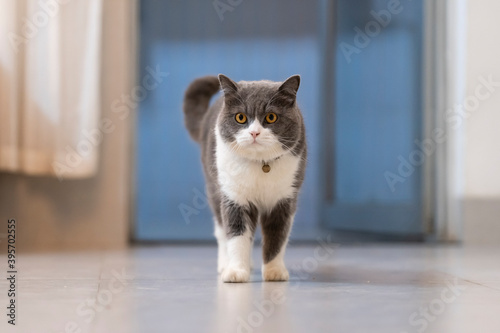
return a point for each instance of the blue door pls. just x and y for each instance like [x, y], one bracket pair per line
[254, 40]
[375, 112]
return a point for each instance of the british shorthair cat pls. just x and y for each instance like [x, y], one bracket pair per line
[253, 149]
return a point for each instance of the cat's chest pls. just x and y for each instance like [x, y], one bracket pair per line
[244, 181]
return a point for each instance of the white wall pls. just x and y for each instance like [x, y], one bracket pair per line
[482, 128]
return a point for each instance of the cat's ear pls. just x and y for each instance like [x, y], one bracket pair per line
[230, 89]
[287, 92]
[291, 85]
[227, 84]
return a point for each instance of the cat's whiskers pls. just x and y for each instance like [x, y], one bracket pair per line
[291, 151]
[235, 147]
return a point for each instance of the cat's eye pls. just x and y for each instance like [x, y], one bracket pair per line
[271, 117]
[241, 118]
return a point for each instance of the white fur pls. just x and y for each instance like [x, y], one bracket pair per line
[240, 168]
[239, 250]
[242, 180]
[222, 258]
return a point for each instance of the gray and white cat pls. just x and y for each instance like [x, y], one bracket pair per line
[253, 150]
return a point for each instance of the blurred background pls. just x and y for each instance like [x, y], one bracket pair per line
[400, 100]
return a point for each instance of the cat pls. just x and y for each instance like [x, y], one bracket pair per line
[253, 150]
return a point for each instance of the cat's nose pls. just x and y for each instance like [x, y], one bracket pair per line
[254, 134]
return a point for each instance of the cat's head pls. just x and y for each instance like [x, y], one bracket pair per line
[260, 119]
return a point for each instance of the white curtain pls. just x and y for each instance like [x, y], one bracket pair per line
[50, 55]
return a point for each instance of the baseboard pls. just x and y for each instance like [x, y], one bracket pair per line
[481, 221]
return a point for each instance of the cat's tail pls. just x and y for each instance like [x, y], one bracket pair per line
[196, 101]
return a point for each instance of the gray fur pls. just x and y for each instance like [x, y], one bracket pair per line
[196, 101]
[255, 99]
[239, 218]
[276, 225]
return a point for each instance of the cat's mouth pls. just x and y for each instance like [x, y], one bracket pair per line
[259, 143]
[257, 150]
[255, 145]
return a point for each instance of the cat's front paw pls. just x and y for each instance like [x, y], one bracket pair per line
[235, 274]
[275, 273]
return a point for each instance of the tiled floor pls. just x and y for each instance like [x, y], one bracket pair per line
[417, 288]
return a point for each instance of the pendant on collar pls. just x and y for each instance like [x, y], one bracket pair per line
[266, 167]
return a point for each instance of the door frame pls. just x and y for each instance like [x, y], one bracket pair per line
[389, 230]
[444, 86]
[444, 83]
